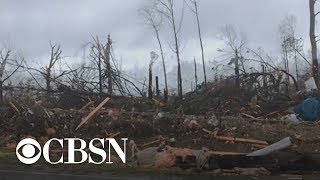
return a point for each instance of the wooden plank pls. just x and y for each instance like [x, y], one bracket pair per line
[235, 139]
[241, 140]
[85, 106]
[254, 118]
[92, 113]
[222, 153]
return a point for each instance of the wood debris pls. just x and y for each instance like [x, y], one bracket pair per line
[235, 139]
[14, 107]
[86, 106]
[92, 113]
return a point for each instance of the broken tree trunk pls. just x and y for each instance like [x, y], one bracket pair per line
[284, 143]
[157, 87]
[195, 73]
[313, 41]
[237, 71]
[92, 113]
[153, 58]
[108, 65]
[1, 92]
[100, 75]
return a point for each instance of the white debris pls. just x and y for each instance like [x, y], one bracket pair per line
[310, 84]
[172, 140]
[292, 118]
[202, 157]
[213, 121]
[159, 115]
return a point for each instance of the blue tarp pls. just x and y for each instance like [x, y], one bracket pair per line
[309, 110]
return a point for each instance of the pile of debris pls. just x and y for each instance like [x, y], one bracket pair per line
[227, 144]
[226, 99]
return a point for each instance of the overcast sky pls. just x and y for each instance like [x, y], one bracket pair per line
[29, 25]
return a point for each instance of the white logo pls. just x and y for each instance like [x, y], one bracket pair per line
[96, 147]
[28, 151]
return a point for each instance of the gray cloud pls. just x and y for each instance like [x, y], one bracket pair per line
[29, 25]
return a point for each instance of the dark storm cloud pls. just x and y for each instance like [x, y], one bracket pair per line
[29, 25]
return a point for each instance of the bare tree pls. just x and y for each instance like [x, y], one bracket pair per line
[194, 9]
[101, 55]
[269, 62]
[5, 73]
[313, 41]
[155, 21]
[291, 46]
[48, 72]
[167, 9]
[83, 78]
[234, 50]
[195, 73]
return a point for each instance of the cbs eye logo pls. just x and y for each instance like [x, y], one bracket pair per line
[29, 152]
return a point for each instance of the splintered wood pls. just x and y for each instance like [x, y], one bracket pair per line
[235, 139]
[92, 113]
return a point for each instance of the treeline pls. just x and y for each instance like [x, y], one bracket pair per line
[102, 74]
